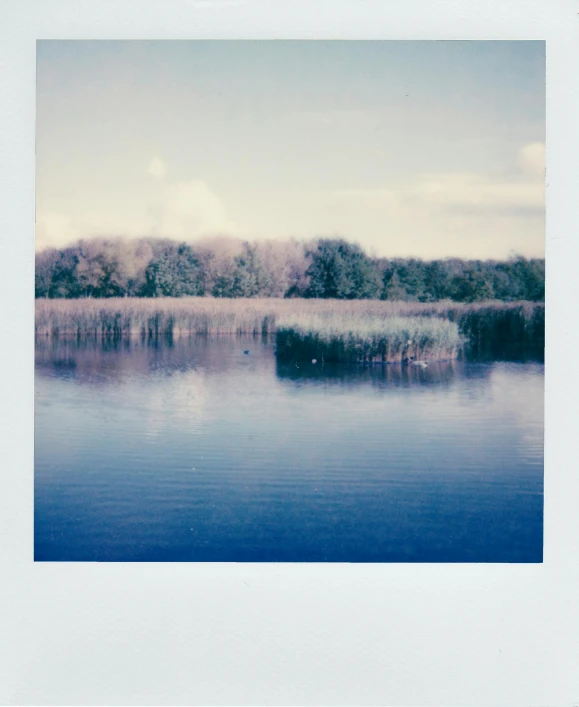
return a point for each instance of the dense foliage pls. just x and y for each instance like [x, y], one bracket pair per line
[367, 339]
[326, 268]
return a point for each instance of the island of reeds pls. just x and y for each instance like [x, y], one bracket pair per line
[367, 340]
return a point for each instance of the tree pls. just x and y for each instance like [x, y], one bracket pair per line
[394, 290]
[45, 270]
[64, 281]
[284, 265]
[91, 267]
[250, 278]
[530, 278]
[411, 272]
[342, 270]
[475, 287]
[217, 265]
[504, 288]
[437, 283]
[228, 267]
[175, 274]
[130, 260]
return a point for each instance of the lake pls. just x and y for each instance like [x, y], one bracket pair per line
[192, 450]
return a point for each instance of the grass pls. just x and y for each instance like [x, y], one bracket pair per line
[153, 317]
[485, 325]
[367, 339]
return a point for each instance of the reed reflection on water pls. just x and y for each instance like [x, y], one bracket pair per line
[190, 449]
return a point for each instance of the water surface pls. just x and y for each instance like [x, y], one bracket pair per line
[192, 450]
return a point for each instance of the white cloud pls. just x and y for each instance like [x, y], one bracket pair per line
[102, 223]
[531, 159]
[477, 191]
[466, 214]
[190, 209]
[440, 214]
[157, 168]
[54, 230]
[469, 190]
[184, 210]
[456, 190]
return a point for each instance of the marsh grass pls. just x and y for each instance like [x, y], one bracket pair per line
[367, 339]
[486, 326]
[153, 317]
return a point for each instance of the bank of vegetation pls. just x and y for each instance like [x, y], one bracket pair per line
[327, 268]
[487, 328]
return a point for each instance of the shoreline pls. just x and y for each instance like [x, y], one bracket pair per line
[487, 328]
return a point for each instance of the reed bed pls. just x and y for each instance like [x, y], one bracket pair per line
[368, 339]
[485, 325]
[154, 317]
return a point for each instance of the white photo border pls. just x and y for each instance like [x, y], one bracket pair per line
[176, 633]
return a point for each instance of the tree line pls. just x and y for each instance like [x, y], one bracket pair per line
[323, 268]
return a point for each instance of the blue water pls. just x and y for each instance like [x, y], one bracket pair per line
[194, 451]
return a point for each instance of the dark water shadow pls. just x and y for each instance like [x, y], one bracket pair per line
[507, 351]
[392, 375]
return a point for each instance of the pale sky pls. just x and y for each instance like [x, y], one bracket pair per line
[428, 149]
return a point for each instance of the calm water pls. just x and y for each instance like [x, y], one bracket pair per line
[195, 451]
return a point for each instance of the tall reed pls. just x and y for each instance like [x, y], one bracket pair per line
[486, 324]
[367, 339]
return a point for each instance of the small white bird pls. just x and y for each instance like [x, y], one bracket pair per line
[314, 360]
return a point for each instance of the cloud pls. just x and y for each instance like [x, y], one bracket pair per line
[54, 230]
[456, 191]
[190, 209]
[476, 191]
[531, 159]
[469, 190]
[157, 168]
[465, 214]
[184, 211]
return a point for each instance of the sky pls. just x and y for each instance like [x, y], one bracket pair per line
[427, 149]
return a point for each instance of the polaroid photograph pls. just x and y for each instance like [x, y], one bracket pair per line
[288, 376]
